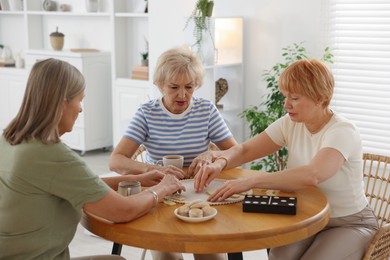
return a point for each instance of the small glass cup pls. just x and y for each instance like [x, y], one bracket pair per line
[127, 188]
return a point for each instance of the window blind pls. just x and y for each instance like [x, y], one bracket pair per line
[359, 35]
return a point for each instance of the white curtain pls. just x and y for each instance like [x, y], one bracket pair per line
[359, 34]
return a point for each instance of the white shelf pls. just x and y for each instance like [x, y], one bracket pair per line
[68, 53]
[227, 65]
[84, 14]
[13, 71]
[132, 15]
[11, 12]
[133, 82]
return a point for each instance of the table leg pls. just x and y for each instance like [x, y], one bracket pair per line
[116, 249]
[235, 256]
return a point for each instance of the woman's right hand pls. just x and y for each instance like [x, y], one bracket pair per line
[171, 185]
[150, 178]
[172, 170]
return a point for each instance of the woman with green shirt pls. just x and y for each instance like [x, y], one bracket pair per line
[44, 185]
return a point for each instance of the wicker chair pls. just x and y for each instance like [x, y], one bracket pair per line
[139, 154]
[377, 189]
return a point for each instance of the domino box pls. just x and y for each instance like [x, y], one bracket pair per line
[270, 204]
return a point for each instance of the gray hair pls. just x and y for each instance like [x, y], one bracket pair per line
[175, 62]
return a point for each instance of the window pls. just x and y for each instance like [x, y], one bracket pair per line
[359, 34]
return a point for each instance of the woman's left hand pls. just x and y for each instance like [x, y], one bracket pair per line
[200, 161]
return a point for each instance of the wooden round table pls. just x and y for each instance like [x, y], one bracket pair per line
[232, 230]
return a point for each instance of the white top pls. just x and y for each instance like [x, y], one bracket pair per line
[345, 190]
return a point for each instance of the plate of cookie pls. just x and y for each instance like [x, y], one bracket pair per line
[191, 195]
[195, 211]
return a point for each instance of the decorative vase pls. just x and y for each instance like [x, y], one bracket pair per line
[221, 88]
[4, 5]
[15, 5]
[19, 61]
[92, 5]
[206, 46]
[57, 40]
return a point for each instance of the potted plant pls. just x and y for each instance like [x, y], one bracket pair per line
[145, 58]
[260, 117]
[145, 54]
[200, 17]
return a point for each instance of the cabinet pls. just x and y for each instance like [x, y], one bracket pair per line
[12, 87]
[93, 127]
[126, 101]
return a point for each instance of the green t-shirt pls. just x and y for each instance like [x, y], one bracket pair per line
[42, 191]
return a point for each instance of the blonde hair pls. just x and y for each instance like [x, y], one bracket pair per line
[179, 61]
[311, 78]
[51, 82]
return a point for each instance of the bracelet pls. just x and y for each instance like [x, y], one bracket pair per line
[222, 158]
[155, 196]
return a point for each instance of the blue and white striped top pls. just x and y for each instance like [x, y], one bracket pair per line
[187, 134]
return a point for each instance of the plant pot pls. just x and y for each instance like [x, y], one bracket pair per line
[145, 63]
[210, 7]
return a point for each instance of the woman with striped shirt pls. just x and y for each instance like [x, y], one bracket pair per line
[175, 123]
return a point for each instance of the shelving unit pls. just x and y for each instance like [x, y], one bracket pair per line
[12, 86]
[224, 60]
[131, 31]
[120, 28]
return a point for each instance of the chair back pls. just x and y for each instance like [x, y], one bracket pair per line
[139, 154]
[376, 171]
[213, 147]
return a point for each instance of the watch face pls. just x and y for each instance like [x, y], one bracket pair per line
[46, 5]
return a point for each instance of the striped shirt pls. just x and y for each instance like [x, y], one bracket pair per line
[187, 134]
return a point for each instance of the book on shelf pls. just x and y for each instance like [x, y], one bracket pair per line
[140, 72]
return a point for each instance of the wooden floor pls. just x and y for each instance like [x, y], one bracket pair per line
[85, 243]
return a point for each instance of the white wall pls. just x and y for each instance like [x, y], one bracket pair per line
[269, 26]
